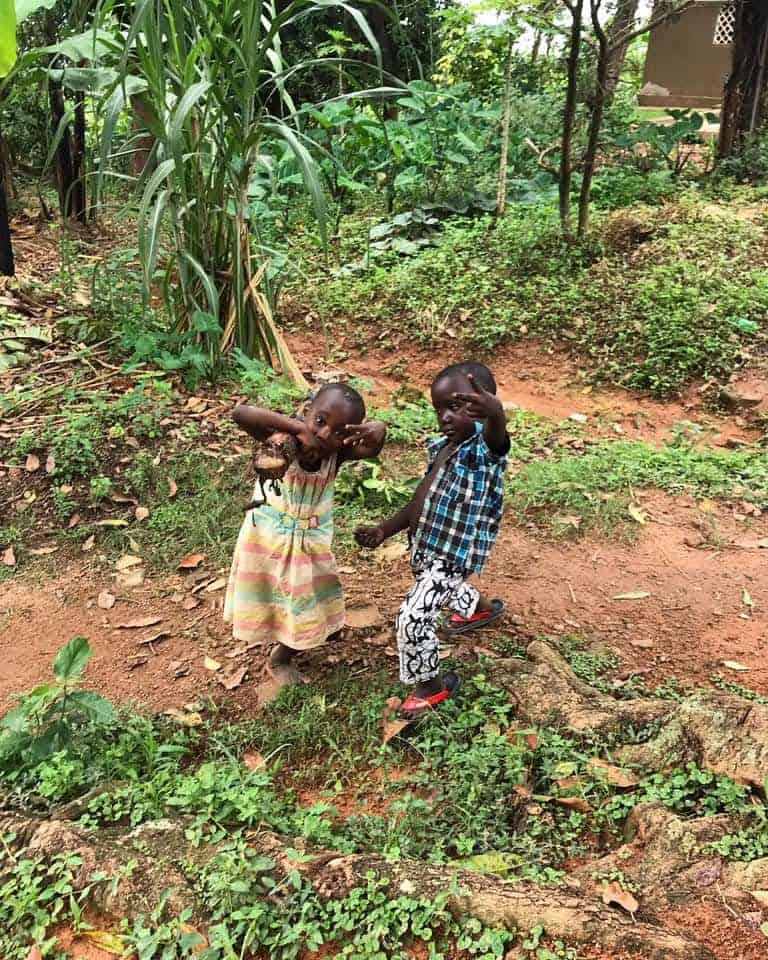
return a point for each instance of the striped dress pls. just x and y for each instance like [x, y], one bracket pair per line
[284, 586]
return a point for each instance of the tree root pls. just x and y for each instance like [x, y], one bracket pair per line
[719, 731]
[158, 849]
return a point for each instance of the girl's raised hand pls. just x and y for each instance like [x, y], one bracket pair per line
[368, 435]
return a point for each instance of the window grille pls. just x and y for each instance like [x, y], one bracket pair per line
[725, 26]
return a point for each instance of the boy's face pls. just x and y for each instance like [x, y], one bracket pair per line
[327, 419]
[452, 416]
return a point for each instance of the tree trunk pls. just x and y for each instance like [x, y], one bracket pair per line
[7, 266]
[745, 97]
[79, 200]
[600, 95]
[621, 26]
[536, 47]
[501, 199]
[569, 115]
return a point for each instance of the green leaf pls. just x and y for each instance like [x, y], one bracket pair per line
[8, 51]
[71, 659]
[25, 8]
[85, 79]
[90, 45]
[96, 707]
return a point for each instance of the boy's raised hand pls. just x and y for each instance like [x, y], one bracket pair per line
[370, 537]
[481, 405]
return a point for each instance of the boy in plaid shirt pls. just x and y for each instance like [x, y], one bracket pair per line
[452, 520]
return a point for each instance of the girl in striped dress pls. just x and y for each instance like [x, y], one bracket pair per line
[284, 588]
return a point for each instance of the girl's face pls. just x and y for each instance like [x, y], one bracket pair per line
[327, 419]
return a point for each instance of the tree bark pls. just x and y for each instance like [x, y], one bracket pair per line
[569, 113]
[159, 850]
[501, 198]
[600, 96]
[621, 26]
[7, 265]
[745, 96]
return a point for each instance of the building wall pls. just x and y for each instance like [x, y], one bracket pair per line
[683, 61]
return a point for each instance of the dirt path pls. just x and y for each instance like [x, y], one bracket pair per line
[692, 614]
[689, 617]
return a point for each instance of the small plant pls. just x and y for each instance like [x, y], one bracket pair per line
[364, 483]
[45, 718]
[99, 488]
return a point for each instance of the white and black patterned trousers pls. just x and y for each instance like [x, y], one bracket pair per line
[438, 586]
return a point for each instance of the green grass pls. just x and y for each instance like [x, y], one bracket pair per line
[680, 295]
[596, 488]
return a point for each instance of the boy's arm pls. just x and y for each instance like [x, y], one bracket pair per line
[364, 441]
[483, 405]
[375, 536]
[260, 423]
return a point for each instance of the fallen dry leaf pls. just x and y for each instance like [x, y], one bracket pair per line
[9, 557]
[123, 498]
[172, 488]
[35, 954]
[130, 578]
[746, 598]
[216, 585]
[637, 514]
[361, 618]
[112, 522]
[616, 776]
[210, 664]
[104, 940]
[32, 463]
[233, 680]
[192, 562]
[43, 551]
[138, 624]
[636, 595]
[391, 551]
[185, 719]
[267, 692]
[73, 520]
[531, 740]
[644, 643]
[88, 544]
[189, 603]
[615, 893]
[254, 761]
[127, 561]
[153, 638]
[106, 600]
[574, 803]
[141, 513]
[392, 724]
[734, 665]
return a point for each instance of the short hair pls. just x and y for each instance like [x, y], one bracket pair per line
[482, 375]
[348, 394]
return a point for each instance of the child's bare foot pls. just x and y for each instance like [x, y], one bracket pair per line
[281, 668]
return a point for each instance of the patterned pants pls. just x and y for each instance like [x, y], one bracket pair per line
[438, 586]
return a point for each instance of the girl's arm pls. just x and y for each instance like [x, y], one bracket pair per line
[260, 423]
[364, 440]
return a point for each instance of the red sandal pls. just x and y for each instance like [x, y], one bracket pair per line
[418, 705]
[459, 624]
